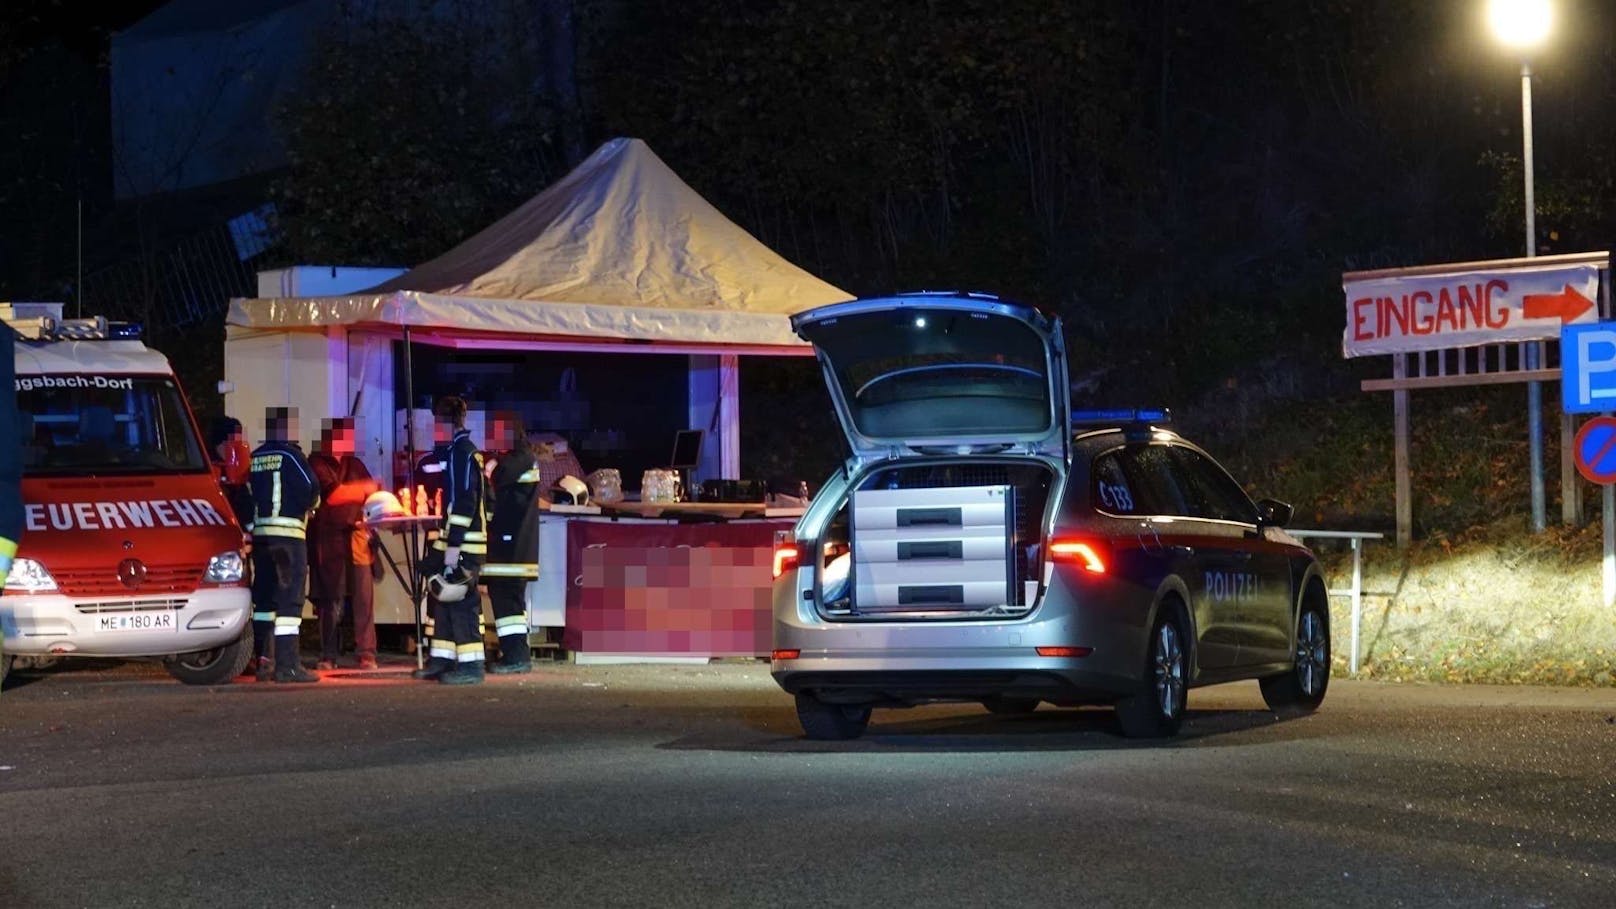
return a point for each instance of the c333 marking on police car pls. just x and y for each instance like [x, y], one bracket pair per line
[153, 513]
[1116, 497]
[1230, 585]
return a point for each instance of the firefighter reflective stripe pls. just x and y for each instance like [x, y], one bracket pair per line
[288, 624]
[468, 546]
[264, 616]
[530, 476]
[442, 649]
[529, 570]
[510, 624]
[274, 495]
[460, 520]
[278, 527]
[469, 653]
[430, 467]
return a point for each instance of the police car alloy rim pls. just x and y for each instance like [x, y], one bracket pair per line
[1168, 663]
[1312, 653]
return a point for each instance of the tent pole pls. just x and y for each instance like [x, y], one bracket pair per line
[409, 468]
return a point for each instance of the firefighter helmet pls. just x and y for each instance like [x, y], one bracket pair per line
[451, 586]
[383, 504]
[569, 490]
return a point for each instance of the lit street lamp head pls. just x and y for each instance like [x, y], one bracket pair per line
[1520, 24]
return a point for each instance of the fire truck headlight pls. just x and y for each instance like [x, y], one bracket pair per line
[224, 568]
[29, 576]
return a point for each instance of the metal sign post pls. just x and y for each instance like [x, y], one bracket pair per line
[1589, 386]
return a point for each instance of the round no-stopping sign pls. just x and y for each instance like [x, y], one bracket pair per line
[1596, 450]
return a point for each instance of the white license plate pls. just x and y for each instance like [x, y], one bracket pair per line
[155, 620]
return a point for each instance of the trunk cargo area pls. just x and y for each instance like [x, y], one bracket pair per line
[943, 540]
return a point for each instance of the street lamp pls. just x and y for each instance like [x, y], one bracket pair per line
[1523, 25]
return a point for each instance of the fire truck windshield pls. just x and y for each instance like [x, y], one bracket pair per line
[82, 423]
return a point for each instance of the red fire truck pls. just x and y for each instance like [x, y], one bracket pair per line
[129, 548]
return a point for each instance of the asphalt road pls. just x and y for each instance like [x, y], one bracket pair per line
[687, 786]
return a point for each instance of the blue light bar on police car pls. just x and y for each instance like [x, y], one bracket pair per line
[1123, 415]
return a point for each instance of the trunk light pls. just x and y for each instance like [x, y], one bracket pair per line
[787, 654]
[1064, 651]
[1089, 554]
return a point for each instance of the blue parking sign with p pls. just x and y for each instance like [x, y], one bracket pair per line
[1588, 368]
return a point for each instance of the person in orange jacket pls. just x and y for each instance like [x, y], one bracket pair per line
[339, 546]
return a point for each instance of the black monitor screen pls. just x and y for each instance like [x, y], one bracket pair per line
[686, 448]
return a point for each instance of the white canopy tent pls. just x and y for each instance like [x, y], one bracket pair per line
[618, 256]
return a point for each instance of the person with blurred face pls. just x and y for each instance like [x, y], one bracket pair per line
[457, 556]
[513, 546]
[284, 496]
[232, 457]
[339, 546]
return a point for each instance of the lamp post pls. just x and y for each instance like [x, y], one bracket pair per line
[1523, 25]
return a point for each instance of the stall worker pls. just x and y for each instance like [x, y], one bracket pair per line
[11, 513]
[429, 471]
[513, 544]
[284, 495]
[460, 549]
[339, 546]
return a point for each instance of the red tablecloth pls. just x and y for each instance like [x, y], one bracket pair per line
[680, 589]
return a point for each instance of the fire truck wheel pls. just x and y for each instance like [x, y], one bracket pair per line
[212, 667]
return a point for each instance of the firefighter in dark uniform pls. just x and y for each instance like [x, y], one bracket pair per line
[284, 495]
[458, 554]
[11, 515]
[513, 547]
[428, 492]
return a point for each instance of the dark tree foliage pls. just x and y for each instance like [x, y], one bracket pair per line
[1184, 180]
[414, 132]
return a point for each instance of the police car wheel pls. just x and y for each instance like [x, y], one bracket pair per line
[831, 722]
[1302, 688]
[1010, 706]
[212, 667]
[1156, 710]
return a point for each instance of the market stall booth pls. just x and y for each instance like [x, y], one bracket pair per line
[610, 311]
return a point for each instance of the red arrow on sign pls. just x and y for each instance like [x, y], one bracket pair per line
[1567, 305]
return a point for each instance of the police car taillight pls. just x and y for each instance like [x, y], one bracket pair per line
[786, 553]
[1088, 553]
[1064, 651]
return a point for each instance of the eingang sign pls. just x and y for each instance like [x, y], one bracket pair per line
[1391, 313]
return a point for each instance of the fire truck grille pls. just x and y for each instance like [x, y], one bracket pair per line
[130, 606]
[104, 582]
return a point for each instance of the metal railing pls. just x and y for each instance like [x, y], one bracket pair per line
[1355, 592]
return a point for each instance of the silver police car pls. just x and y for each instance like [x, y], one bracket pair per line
[984, 543]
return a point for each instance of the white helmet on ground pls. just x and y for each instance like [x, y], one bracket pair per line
[383, 504]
